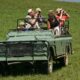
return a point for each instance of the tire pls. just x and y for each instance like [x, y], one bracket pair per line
[50, 65]
[64, 60]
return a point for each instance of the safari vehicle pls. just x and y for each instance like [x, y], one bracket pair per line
[37, 46]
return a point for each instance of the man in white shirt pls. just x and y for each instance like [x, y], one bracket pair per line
[31, 20]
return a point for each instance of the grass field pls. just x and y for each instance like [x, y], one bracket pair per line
[10, 10]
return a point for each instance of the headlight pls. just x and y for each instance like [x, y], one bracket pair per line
[40, 47]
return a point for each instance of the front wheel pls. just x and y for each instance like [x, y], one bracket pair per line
[50, 67]
[50, 64]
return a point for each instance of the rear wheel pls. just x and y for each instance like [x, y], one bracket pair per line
[64, 60]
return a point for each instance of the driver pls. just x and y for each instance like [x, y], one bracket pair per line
[21, 26]
[31, 20]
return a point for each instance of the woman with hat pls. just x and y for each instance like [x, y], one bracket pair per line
[53, 23]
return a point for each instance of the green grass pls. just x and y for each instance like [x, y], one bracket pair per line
[10, 10]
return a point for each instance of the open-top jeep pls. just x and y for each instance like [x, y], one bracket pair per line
[36, 46]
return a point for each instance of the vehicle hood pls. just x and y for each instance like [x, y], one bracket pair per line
[46, 35]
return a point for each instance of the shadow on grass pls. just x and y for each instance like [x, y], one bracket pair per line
[25, 69]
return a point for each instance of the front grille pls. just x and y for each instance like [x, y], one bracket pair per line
[40, 47]
[20, 49]
[26, 49]
[2, 49]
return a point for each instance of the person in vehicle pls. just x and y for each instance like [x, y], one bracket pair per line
[21, 26]
[62, 16]
[53, 23]
[58, 13]
[31, 21]
[39, 16]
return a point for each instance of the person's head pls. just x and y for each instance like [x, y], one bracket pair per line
[58, 10]
[31, 12]
[38, 10]
[51, 13]
[21, 25]
[64, 12]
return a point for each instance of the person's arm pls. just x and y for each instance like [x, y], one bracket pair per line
[61, 15]
[48, 25]
[32, 22]
[67, 14]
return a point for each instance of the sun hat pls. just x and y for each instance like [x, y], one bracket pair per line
[30, 10]
[50, 11]
[58, 9]
[38, 9]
